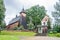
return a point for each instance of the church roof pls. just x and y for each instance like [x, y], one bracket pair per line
[45, 19]
[14, 20]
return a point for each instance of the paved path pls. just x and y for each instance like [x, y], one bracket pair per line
[40, 38]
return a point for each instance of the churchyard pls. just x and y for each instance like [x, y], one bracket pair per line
[14, 35]
[33, 23]
[17, 35]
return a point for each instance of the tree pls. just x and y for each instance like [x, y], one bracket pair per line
[30, 24]
[56, 13]
[2, 12]
[49, 24]
[37, 13]
[56, 28]
[3, 25]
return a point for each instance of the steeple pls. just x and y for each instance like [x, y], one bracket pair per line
[16, 16]
[23, 11]
[23, 18]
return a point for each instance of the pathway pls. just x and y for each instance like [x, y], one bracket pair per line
[40, 38]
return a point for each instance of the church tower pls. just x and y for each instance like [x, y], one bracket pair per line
[23, 18]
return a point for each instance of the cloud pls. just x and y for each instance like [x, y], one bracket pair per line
[29, 3]
[10, 13]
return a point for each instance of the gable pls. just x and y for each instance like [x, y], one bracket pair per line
[45, 19]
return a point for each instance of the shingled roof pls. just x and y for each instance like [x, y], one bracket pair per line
[14, 20]
[17, 18]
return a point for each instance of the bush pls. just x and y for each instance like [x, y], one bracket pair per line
[58, 35]
[0, 29]
[15, 28]
[52, 31]
[31, 26]
[54, 35]
[56, 28]
[21, 28]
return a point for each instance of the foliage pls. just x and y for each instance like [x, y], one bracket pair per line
[52, 31]
[49, 24]
[19, 28]
[31, 26]
[56, 13]
[58, 35]
[15, 28]
[37, 13]
[2, 11]
[2, 14]
[3, 25]
[54, 35]
[56, 28]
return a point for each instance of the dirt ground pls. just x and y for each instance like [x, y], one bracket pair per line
[40, 38]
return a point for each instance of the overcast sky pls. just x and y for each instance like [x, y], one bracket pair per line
[13, 7]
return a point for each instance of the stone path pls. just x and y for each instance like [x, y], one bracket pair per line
[40, 38]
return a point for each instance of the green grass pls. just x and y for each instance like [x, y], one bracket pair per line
[14, 35]
[54, 34]
[9, 37]
[17, 33]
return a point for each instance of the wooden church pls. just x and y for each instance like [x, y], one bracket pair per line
[18, 20]
[21, 20]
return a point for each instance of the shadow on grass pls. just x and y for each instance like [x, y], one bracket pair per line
[41, 34]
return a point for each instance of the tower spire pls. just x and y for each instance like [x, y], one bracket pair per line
[16, 15]
[23, 11]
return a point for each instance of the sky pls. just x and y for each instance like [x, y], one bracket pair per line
[13, 7]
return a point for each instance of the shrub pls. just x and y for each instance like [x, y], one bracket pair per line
[15, 28]
[56, 28]
[54, 35]
[58, 35]
[0, 29]
[31, 26]
[21, 28]
[52, 31]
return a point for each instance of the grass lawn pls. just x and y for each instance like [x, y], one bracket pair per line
[54, 35]
[17, 33]
[14, 35]
[9, 37]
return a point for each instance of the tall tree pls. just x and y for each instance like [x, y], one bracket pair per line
[56, 13]
[2, 12]
[36, 13]
[49, 23]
